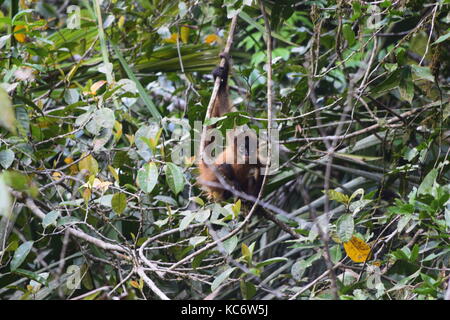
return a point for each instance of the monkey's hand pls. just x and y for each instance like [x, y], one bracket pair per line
[222, 72]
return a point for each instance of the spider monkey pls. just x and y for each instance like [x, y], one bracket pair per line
[235, 165]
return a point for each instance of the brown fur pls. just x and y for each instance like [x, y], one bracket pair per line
[231, 166]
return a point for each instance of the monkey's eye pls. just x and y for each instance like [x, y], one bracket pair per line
[243, 150]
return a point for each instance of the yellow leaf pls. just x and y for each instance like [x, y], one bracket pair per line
[189, 161]
[23, 4]
[117, 130]
[7, 114]
[73, 169]
[211, 38]
[113, 172]
[335, 237]
[134, 284]
[44, 124]
[97, 86]
[356, 157]
[86, 195]
[338, 196]
[172, 39]
[130, 138]
[98, 184]
[377, 263]
[357, 249]
[121, 22]
[236, 208]
[68, 160]
[89, 164]
[184, 31]
[19, 33]
[246, 253]
[72, 73]
[56, 175]
[153, 143]
[2, 24]
[42, 27]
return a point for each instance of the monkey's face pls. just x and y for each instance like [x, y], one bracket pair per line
[243, 150]
[220, 72]
[246, 150]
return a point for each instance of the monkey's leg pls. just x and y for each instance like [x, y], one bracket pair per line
[227, 172]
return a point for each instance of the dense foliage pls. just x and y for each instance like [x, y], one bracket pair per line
[92, 95]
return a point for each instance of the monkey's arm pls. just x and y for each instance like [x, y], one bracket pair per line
[222, 103]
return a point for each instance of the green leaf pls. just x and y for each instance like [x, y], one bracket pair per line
[221, 278]
[358, 192]
[248, 289]
[260, 28]
[427, 184]
[7, 114]
[147, 177]
[447, 217]
[50, 218]
[142, 140]
[298, 269]
[22, 120]
[198, 201]
[345, 227]
[202, 215]
[270, 261]
[20, 182]
[356, 11]
[142, 91]
[104, 118]
[6, 158]
[402, 208]
[20, 254]
[422, 72]
[174, 178]
[88, 163]
[403, 221]
[5, 200]
[30, 103]
[335, 254]
[186, 221]
[349, 35]
[406, 85]
[67, 220]
[236, 208]
[230, 244]
[356, 206]
[199, 259]
[71, 96]
[338, 196]
[358, 157]
[31, 275]
[390, 83]
[162, 222]
[442, 38]
[119, 203]
[194, 241]
[414, 253]
[247, 253]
